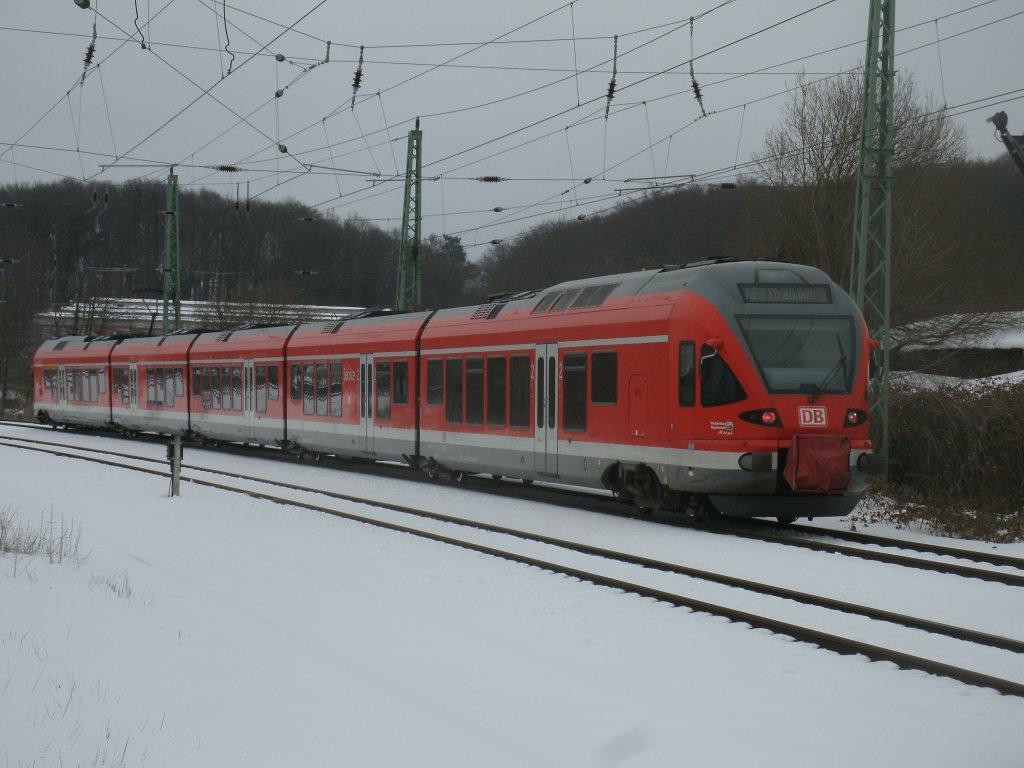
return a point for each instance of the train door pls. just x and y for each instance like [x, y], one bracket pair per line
[366, 395]
[248, 401]
[546, 375]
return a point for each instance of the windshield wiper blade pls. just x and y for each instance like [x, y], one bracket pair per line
[840, 364]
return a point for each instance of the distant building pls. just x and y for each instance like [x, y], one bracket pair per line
[113, 316]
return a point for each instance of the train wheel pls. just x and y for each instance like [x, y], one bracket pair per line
[527, 481]
[496, 477]
[459, 477]
[431, 471]
[785, 519]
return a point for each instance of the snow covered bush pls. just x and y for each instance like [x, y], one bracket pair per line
[957, 459]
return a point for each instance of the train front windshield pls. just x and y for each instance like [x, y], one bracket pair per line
[812, 355]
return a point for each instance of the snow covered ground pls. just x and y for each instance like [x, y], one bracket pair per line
[216, 630]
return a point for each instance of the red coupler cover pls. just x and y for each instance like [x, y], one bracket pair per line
[818, 463]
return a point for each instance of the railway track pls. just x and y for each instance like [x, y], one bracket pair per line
[1005, 569]
[829, 641]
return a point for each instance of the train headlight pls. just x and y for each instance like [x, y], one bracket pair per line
[765, 417]
[855, 417]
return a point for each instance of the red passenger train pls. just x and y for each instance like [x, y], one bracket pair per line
[742, 384]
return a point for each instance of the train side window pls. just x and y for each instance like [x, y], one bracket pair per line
[604, 378]
[496, 390]
[574, 391]
[215, 389]
[384, 390]
[321, 389]
[475, 390]
[225, 386]
[207, 389]
[151, 386]
[453, 390]
[101, 380]
[261, 388]
[296, 386]
[435, 381]
[273, 383]
[236, 387]
[519, 391]
[168, 387]
[197, 382]
[335, 389]
[687, 377]
[718, 384]
[179, 382]
[401, 373]
[308, 390]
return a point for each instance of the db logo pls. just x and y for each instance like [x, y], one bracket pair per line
[813, 416]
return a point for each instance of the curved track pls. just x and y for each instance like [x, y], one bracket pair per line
[808, 634]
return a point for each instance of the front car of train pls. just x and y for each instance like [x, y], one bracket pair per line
[773, 366]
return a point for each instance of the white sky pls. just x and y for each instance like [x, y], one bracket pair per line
[146, 107]
[262, 635]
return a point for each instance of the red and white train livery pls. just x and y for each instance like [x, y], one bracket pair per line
[739, 383]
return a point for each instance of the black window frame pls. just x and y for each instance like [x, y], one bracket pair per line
[474, 391]
[400, 382]
[687, 374]
[496, 378]
[519, 391]
[604, 377]
[574, 391]
[453, 397]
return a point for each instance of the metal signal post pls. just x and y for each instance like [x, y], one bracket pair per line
[172, 255]
[871, 265]
[408, 296]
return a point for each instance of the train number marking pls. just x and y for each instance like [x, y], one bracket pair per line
[813, 416]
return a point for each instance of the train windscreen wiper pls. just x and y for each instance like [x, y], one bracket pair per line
[840, 365]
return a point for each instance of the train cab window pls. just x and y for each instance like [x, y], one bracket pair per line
[453, 390]
[321, 389]
[308, 390]
[335, 389]
[718, 384]
[574, 391]
[261, 388]
[687, 374]
[296, 385]
[273, 383]
[475, 390]
[435, 381]
[604, 378]
[519, 391]
[496, 386]
[384, 391]
[401, 373]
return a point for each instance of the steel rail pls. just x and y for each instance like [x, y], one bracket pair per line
[838, 644]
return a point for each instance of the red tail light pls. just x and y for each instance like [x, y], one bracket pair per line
[765, 417]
